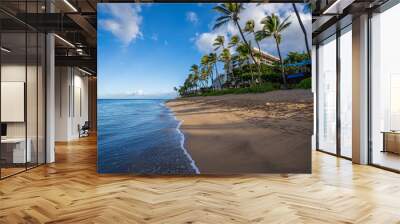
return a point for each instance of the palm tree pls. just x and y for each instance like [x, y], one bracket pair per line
[302, 28]
[273, 27]
[226, 58]
[213, 63]
[194, 69]
[195, 80]
[191, 81]
[243, 55]
[230, 13]
[186, 86]
[234, 41]
[219, 42]
[249, 28]
[204, 73]
[294, 57]
[205, 65]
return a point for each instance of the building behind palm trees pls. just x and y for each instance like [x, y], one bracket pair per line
[265, 57]
[261, 56]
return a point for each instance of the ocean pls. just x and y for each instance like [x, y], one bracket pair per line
[140, 137]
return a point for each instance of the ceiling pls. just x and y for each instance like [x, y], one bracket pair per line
[331, 15]
[73, 21]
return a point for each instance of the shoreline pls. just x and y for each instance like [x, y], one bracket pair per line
[230, 134]
[182, 138]
[182, 143]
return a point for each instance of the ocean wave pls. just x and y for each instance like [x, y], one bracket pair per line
[192, 163]
[128, 139]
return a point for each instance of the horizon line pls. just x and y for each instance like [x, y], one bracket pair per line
[135, 99]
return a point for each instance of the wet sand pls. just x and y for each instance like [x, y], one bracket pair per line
[248, 133]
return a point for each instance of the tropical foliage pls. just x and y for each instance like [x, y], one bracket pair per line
[304, 84]
[244, 68]
[273, 27]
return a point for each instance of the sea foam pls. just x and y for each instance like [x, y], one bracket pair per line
[192, 163]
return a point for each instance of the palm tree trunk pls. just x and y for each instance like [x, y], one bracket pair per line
[226, 70]
[259, 63]
[302, 28]
[230, 69]
[212, 79]
[245, 41]
[241, 75]
[251, 71]
[258, 45]
[282, 68]
[219, 80]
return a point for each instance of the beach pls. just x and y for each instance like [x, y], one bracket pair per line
[248, 133]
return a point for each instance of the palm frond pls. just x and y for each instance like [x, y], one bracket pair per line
[284, 26]
[260, 35]
[285, 20]
[285, 23]
[222, 9]
[220, 23]
[249, 27]
[222, 18]
[264, 20]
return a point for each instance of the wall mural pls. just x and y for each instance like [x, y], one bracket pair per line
[204, 88]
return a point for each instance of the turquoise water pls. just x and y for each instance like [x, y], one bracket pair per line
[142, 137]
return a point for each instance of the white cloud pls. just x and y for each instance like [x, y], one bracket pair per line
[123, 94]
[135, 93]
[192, 17]
[154, 37]
[124, 21]
[138, 94]
[204, 42]
[292, 40]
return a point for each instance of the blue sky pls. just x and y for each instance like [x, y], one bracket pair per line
[144, 50]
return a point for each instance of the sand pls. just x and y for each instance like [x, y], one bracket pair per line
[248, 133]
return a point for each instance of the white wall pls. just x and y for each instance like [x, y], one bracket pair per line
[33, 126]
[62, 83]
[17, 73]
[14, 72]
[80, 110]
[71, 87]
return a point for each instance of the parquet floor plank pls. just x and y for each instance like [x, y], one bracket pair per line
[70, 191]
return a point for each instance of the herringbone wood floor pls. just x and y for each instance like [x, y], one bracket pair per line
[70, 191]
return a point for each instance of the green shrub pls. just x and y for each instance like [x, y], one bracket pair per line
[265, 87]
[246, 76]
[304, 84]
[271, 77]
